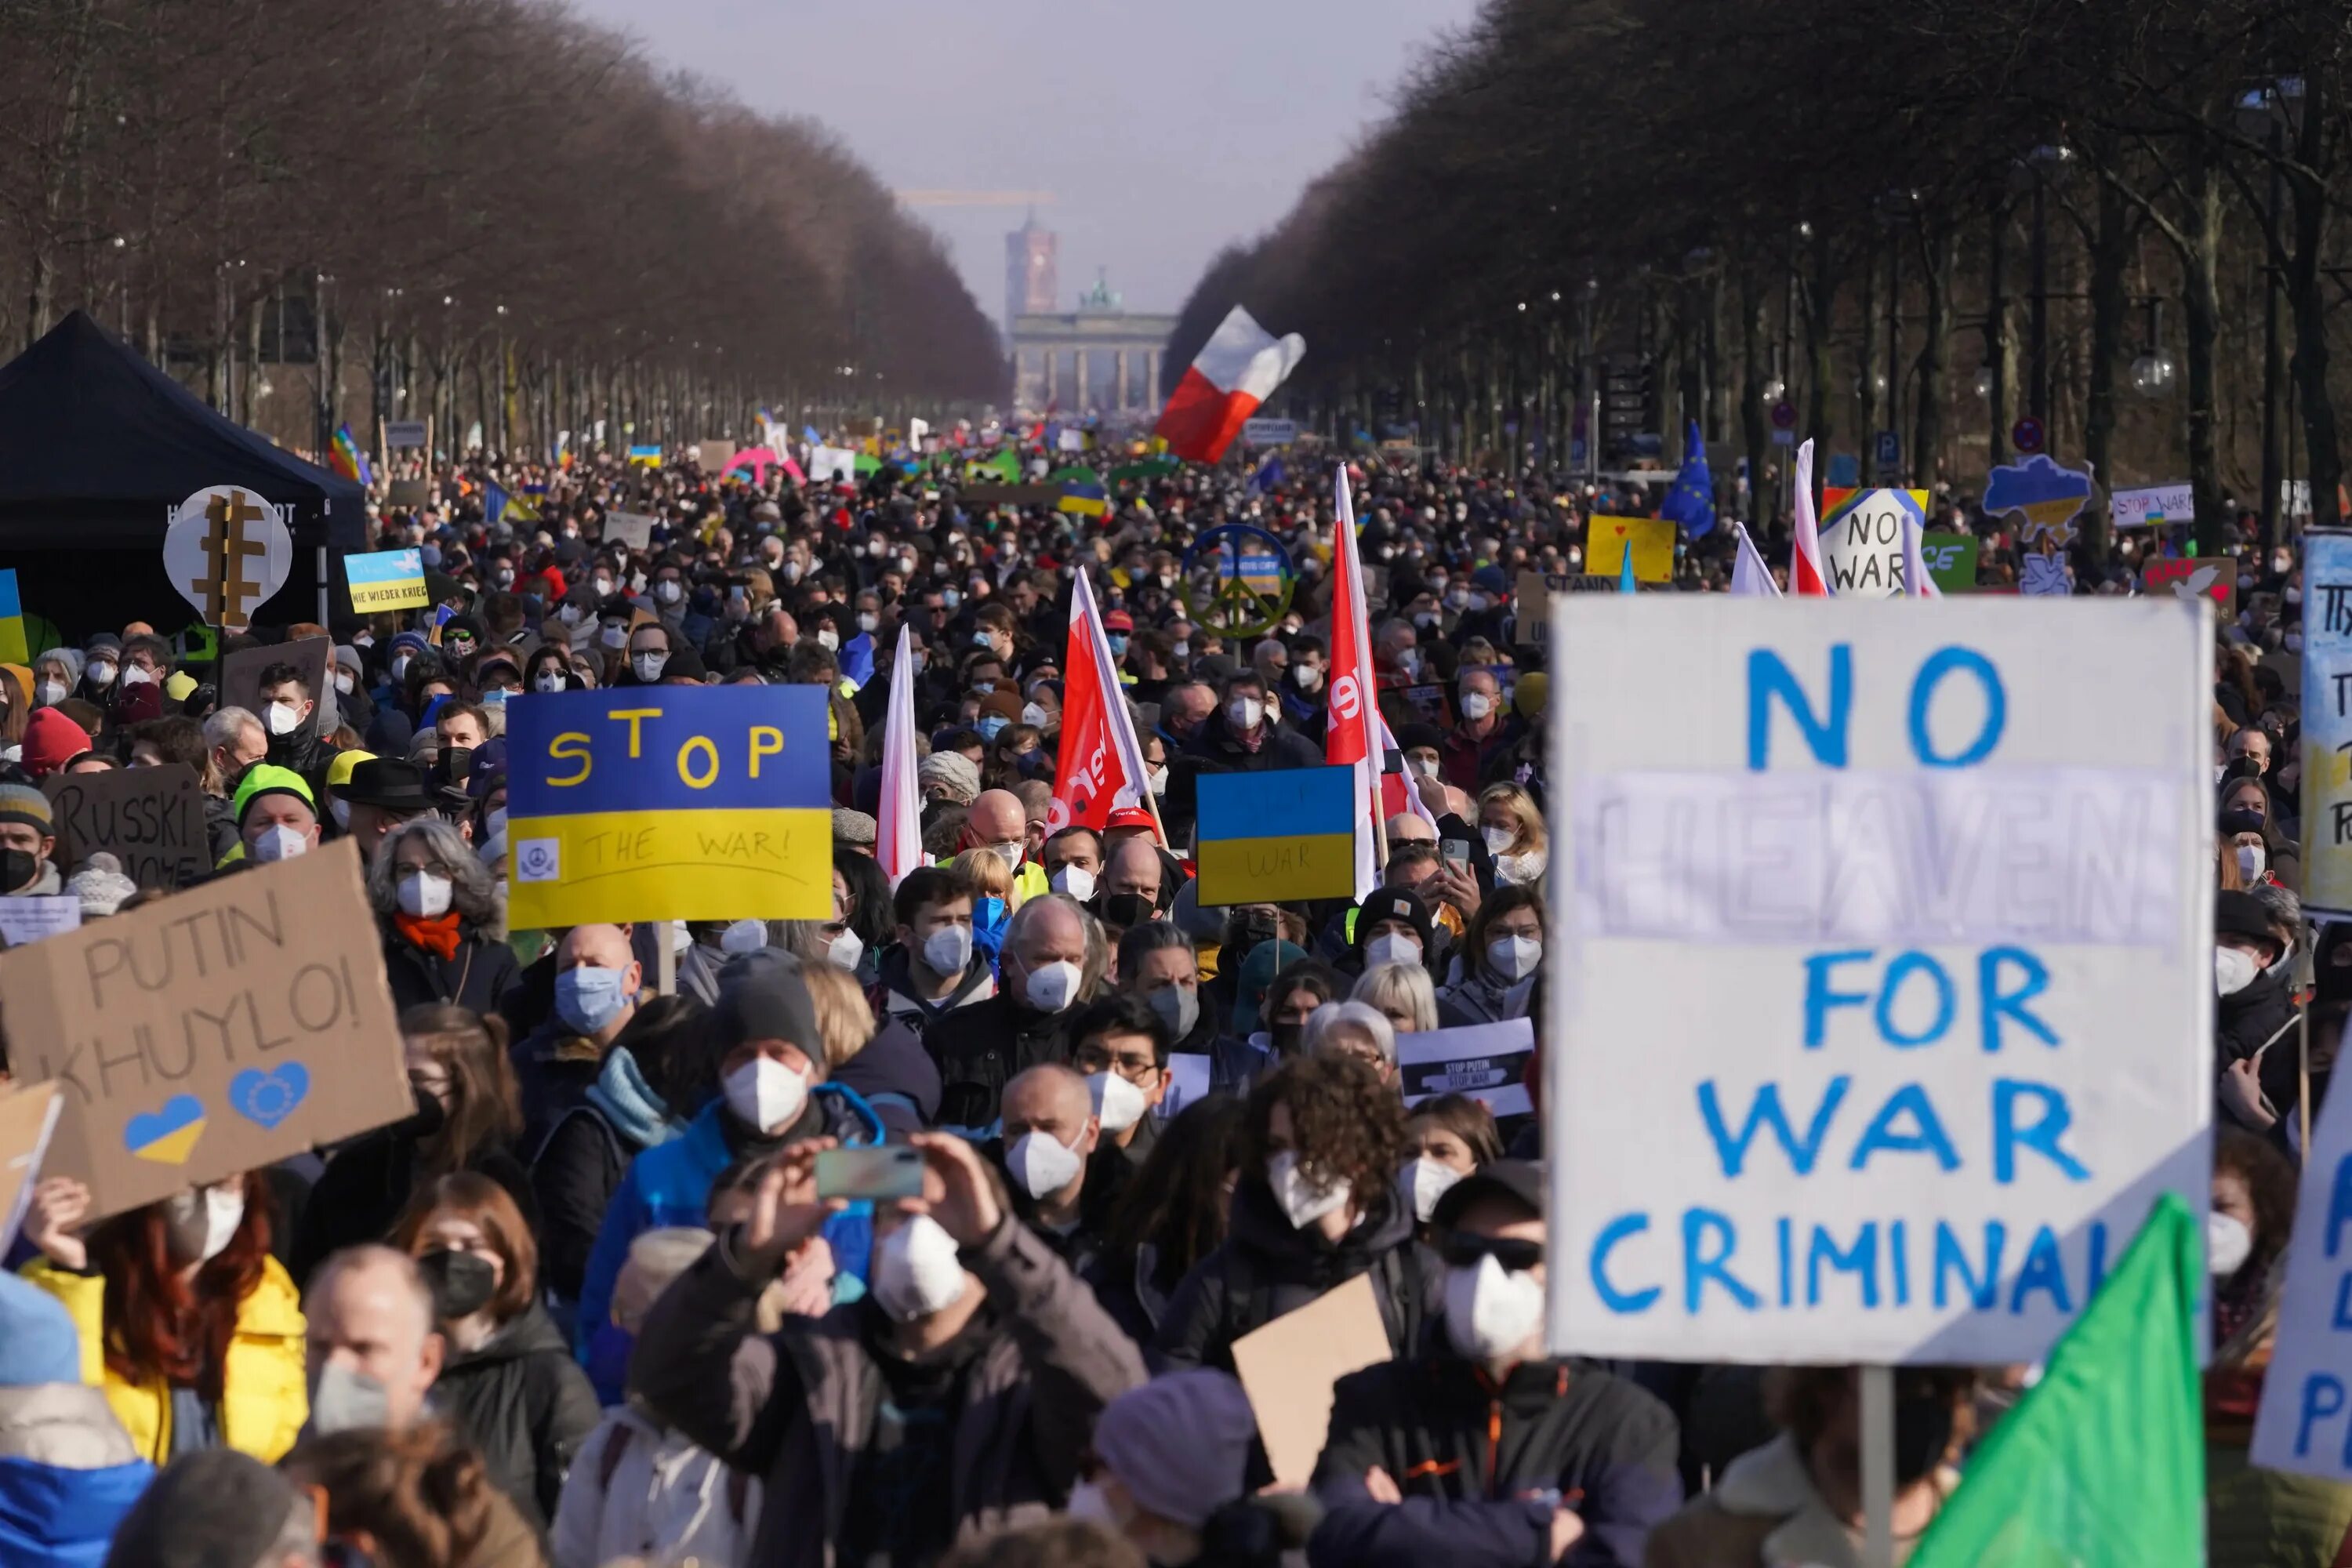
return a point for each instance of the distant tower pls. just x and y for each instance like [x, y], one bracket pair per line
[1030, 286]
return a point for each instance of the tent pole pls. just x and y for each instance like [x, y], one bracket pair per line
[322, 585]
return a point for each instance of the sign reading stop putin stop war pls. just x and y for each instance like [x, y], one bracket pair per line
[656, 802]
[2328, 725]
[218, 1030]
[1911, 915]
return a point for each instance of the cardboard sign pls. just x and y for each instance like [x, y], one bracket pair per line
[2046, 497]
[2151, 504]
[28, 1119]
[241, 676]
[634, 529]
[409, 492]
[1862, 540]
[1951, 560]
[1935, 926]
[2186, 577]
[1530, 609]
[29, 917]
[221, 1029]
[2305, 1424]
[1651, 539]
[1272, 837]
[152, 820]
[386, 580]
[2326, 723]
[1487, 1062]
[1290, 1366]
[688, 803]
[228, 550]
[714, 456]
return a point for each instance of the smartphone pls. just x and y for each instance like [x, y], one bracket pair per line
[882, 1170]
[1456, 850]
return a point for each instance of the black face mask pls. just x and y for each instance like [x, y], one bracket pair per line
[18, 870]
[1286, 1038]
[1126, 910]
[1248, 930]
[2242, 821]
[461, 1283]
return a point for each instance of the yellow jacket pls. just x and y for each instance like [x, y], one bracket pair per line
[265, 1397]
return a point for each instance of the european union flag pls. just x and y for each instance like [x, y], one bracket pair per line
[1269, 474]
[494, 502]
[1691, 500]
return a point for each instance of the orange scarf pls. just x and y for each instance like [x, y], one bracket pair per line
[436, 935]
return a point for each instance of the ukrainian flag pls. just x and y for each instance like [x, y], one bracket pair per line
[644, 456]
[1272, 837]
[1084, 500]
[13, 641]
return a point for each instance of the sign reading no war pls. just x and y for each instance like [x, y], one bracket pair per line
[1929, 915]
[653, 803]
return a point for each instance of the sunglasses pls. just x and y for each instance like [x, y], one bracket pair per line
[1464, 1248]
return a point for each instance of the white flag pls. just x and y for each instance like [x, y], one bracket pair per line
[899, 835]
[1750, 578]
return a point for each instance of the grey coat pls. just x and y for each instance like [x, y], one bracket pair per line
[796, 1409]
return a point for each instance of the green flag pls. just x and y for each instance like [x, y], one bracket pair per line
[1004, 466]
[2103, 1464]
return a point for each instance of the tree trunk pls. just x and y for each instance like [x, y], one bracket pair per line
[1938, 253]
[2305, 290]
[1754, 369]
[2111, 252]
[2200, 303]
[1821, 306]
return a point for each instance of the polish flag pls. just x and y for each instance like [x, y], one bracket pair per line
[1234, 372]
[899, 835]
[1355, 734]
[1806, 578]
[1099, 767]
[1750, 578]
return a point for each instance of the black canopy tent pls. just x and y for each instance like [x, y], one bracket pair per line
[98, 447]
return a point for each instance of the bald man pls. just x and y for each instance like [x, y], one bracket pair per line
[598, 983]
[1050, 1133]
[999, 823]
[373, 1353]
[1135, 867]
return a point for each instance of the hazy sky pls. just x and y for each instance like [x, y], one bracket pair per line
[1162, 131]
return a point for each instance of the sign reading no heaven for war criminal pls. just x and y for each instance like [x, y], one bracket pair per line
[659, 803]
[218, 1030]
[1936, 924]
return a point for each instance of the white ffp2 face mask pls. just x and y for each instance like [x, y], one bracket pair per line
[1388, 947]
[948, 951]
[1118, 1104]
[1042, 1163]
[1422, 1182]
[1513, 957]
[1490, 1311]
[2228, 1244]
[2233, 969]
[278, 842]
[917, 1270]
[424, 894]
[1301, 1200]
[846, 950]
[766, 1094]
[1074, 880]
[1053, 986]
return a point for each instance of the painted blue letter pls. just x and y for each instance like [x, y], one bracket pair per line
[1819, 998]
[1941, 663]
[1904, 966]
[1997, 1003]
[2322, 1399]
[1731, 1151]
[1768, 678]
[1615, 1231]
[1927, 1135]
[1698, 1270]
[2041, 1136]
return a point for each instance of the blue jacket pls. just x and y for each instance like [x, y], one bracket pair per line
[668, 1184]
[67, 1474]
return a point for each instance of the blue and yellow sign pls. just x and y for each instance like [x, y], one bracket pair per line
[386, 580]
[1238, 579]
[1267, 837]
[659, 802]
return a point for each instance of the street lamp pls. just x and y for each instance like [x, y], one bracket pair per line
[2153, 372]
[1984, 382]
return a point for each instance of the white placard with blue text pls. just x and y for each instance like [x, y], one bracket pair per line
[1881, 998]
[2305, 1421]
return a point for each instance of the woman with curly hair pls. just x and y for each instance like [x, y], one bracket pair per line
[416, 1498]
[1315, 1205]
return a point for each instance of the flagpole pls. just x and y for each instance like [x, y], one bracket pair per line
[1877, 1393]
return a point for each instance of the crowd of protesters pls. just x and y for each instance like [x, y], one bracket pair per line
[582, 1303]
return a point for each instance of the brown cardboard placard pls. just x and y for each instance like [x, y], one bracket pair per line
[216, 1031]
[409, 492]
[634, 529]
[29, 1119]
[241, 676]
[714, 456]
[152, 820]
[1289, 1367]
[1531, 609]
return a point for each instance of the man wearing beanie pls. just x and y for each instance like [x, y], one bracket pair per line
[1173, 1476]
[276, 815]
[51, 741]
[27, 841]
[68, 1470]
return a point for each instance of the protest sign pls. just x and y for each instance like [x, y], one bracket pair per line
[1269, 432]
[386, 580]
[2305, 1424]
[1188, 1080]
[28, 1119]
[152, 820]
[226, 552]
[1862, 538]
[833, 465]
[404, 433]
[634, 529]
[2185, 577]
[1286, 834]
[1488, 1062]
[1010, 495]
[219, 1030]
[1530, 609]
[15, 646]
[669, 803]
[2151, 504]
[1288, 1368]
[1951, 560]
[241, 675]
[1934, 928]
[408, 492]
[713, 456]
[1651, 539]
[29, 917]
[2327, 725]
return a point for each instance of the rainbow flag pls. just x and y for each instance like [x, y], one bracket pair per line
[347, 460]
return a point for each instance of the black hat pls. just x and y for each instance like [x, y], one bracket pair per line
[1418, 736]
[2243, 914]
[761, 996]
[1392, 904]
[207, 1508]
[1521, 1181]
[685, 662]
[392, 783]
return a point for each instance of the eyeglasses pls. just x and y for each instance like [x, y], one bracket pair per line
[1464, 1248]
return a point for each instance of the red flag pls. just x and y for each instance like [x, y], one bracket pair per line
[1100, 765]
[1806, 578]
[1353, 739]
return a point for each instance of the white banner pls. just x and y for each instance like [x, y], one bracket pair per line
[1487, 1062]
[2152, 504]
[1911, 930]
[400, 433]
[1269, 432]
[2305, 1421]
[829, 463]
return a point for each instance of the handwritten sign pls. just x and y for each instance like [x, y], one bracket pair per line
[404, 433]
[2152, 504]
[1951, 560]
[1651, 539]
[1487, 1062]
[1935, 926]
[669, 803]
[152, 820]
[216, 1031]
[28, 1119]
[2305, 1421]
[1286, 834]
[386, 580]
[634, 529]
[2326, 725]
[241, 676]
[30, 917]
[2185, 577]
[1862, 538]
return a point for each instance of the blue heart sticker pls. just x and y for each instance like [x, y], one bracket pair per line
[268, 1098]
[166, 1136]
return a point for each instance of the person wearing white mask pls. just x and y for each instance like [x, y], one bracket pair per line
[1501, 953]
[932, 968]
[1514, 831]
[1050, 1134]
[1120, 1045]
[1053, 962]
[978, 1360]
[1573, 1454]
[1073, 859]
[999, 823]
[1483, 729]
[289, 711]
[1449, 1136]
[2254, 1011]
[276, 815]
[1245, 733]
[438, 909]
[1315, 1205]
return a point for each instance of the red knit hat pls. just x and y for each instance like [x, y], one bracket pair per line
[51, 741]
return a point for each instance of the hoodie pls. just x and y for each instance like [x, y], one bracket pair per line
[67, 1474]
